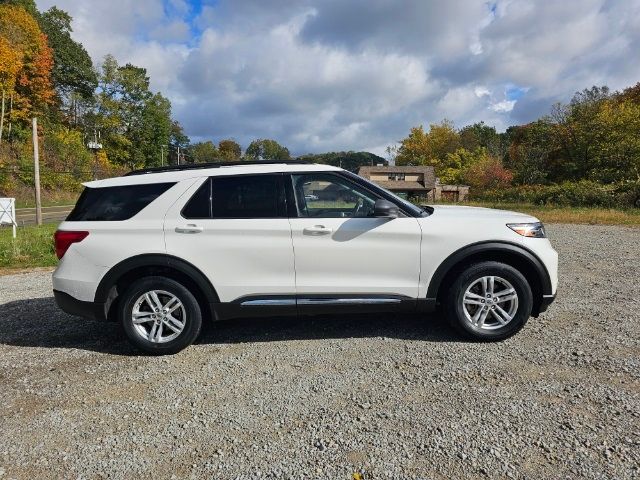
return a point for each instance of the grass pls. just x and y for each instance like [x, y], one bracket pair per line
[580, 215]
[33, 247]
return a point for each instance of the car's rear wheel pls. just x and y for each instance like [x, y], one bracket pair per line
[489, 301]
[160, 316]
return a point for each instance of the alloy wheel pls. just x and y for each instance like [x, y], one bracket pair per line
[158, 316]
[490, 302]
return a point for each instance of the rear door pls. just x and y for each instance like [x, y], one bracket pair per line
[236, 231]
[342, 251]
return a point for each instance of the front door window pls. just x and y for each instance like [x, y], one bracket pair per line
[330, 196]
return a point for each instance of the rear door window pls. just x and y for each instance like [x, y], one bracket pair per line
[115, 203]
[241, 196]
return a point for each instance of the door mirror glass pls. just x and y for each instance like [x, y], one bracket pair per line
[385, 209]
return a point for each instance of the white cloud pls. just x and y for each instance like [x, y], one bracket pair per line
[481, 92]
[503, 106]
[319, 75]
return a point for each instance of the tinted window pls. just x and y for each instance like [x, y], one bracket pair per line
[242, 196]
[199, 206]
[115, 203]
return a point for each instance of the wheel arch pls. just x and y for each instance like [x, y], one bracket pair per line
[118, 278]
[512, 254]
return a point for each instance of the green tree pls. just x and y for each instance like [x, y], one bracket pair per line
[616, 148]
[481, 135]
[204, 152]
[73, 71]
[428, 148]
[229, 150]
[351, 161]
[135, 123]
[531, 152]
[266, 149]
[178, 143]
[155, 129]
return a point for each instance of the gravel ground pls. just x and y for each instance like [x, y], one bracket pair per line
[371, 397]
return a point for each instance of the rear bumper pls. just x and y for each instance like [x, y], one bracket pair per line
[79, 308]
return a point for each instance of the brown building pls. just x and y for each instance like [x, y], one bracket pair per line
[418, 184]
[406, 182]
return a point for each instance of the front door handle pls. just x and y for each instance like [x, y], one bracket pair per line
[317, 230]
[189, 228]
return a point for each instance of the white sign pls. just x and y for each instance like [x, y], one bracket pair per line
[8, 213]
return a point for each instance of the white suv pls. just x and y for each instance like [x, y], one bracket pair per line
[161, 249]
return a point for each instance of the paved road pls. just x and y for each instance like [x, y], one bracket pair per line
[27, 216]
[393, 396]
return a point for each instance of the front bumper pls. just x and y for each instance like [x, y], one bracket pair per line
[79, 308]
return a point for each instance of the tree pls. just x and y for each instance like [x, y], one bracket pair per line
[229, 150]
[33, 88]
[481, 135]
[28, 5]
[616, 148]
[203, 152]
[10, 65]
[531, 154]
[483, 171]
[73, 69]
[351, 161]
[155, 129]
[576, 128]
[266, 149]
[178, 142]
[429, 148]
[135, 123]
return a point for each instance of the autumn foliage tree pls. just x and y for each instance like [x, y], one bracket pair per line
[10, 65]
[484, 171]
[33, 87]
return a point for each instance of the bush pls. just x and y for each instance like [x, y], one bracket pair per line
[584, 193]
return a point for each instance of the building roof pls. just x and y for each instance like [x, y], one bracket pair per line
[400, 185]
[427, 171]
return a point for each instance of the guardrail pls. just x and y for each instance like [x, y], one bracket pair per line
[27, 216]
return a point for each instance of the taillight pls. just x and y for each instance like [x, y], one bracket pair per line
[64, 238]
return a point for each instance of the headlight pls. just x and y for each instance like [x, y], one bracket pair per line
[533, 230]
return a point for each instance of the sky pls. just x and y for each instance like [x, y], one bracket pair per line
[328, 75]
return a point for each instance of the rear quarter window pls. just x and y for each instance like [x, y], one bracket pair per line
[115, 203]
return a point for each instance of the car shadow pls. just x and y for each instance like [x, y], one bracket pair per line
[39, 323]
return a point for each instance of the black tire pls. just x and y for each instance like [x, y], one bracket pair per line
[192, 320]
[456, 312]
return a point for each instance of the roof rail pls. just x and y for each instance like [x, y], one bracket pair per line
[199, 166]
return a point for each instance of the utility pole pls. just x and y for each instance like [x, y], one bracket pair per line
[36, 169]
[162, 147]
[2, 117]
[178, 154]
[95, 146]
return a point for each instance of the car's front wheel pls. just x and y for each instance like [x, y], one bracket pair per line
[160, 316]
[489, 301]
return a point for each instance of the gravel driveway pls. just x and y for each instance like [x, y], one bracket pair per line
[371, 397]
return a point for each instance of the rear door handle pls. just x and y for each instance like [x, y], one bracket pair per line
[189, 228]
[317, 230]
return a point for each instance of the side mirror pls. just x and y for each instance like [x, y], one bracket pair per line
[385, 209]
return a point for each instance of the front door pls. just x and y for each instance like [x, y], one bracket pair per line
[236, 231]
[342, 250]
